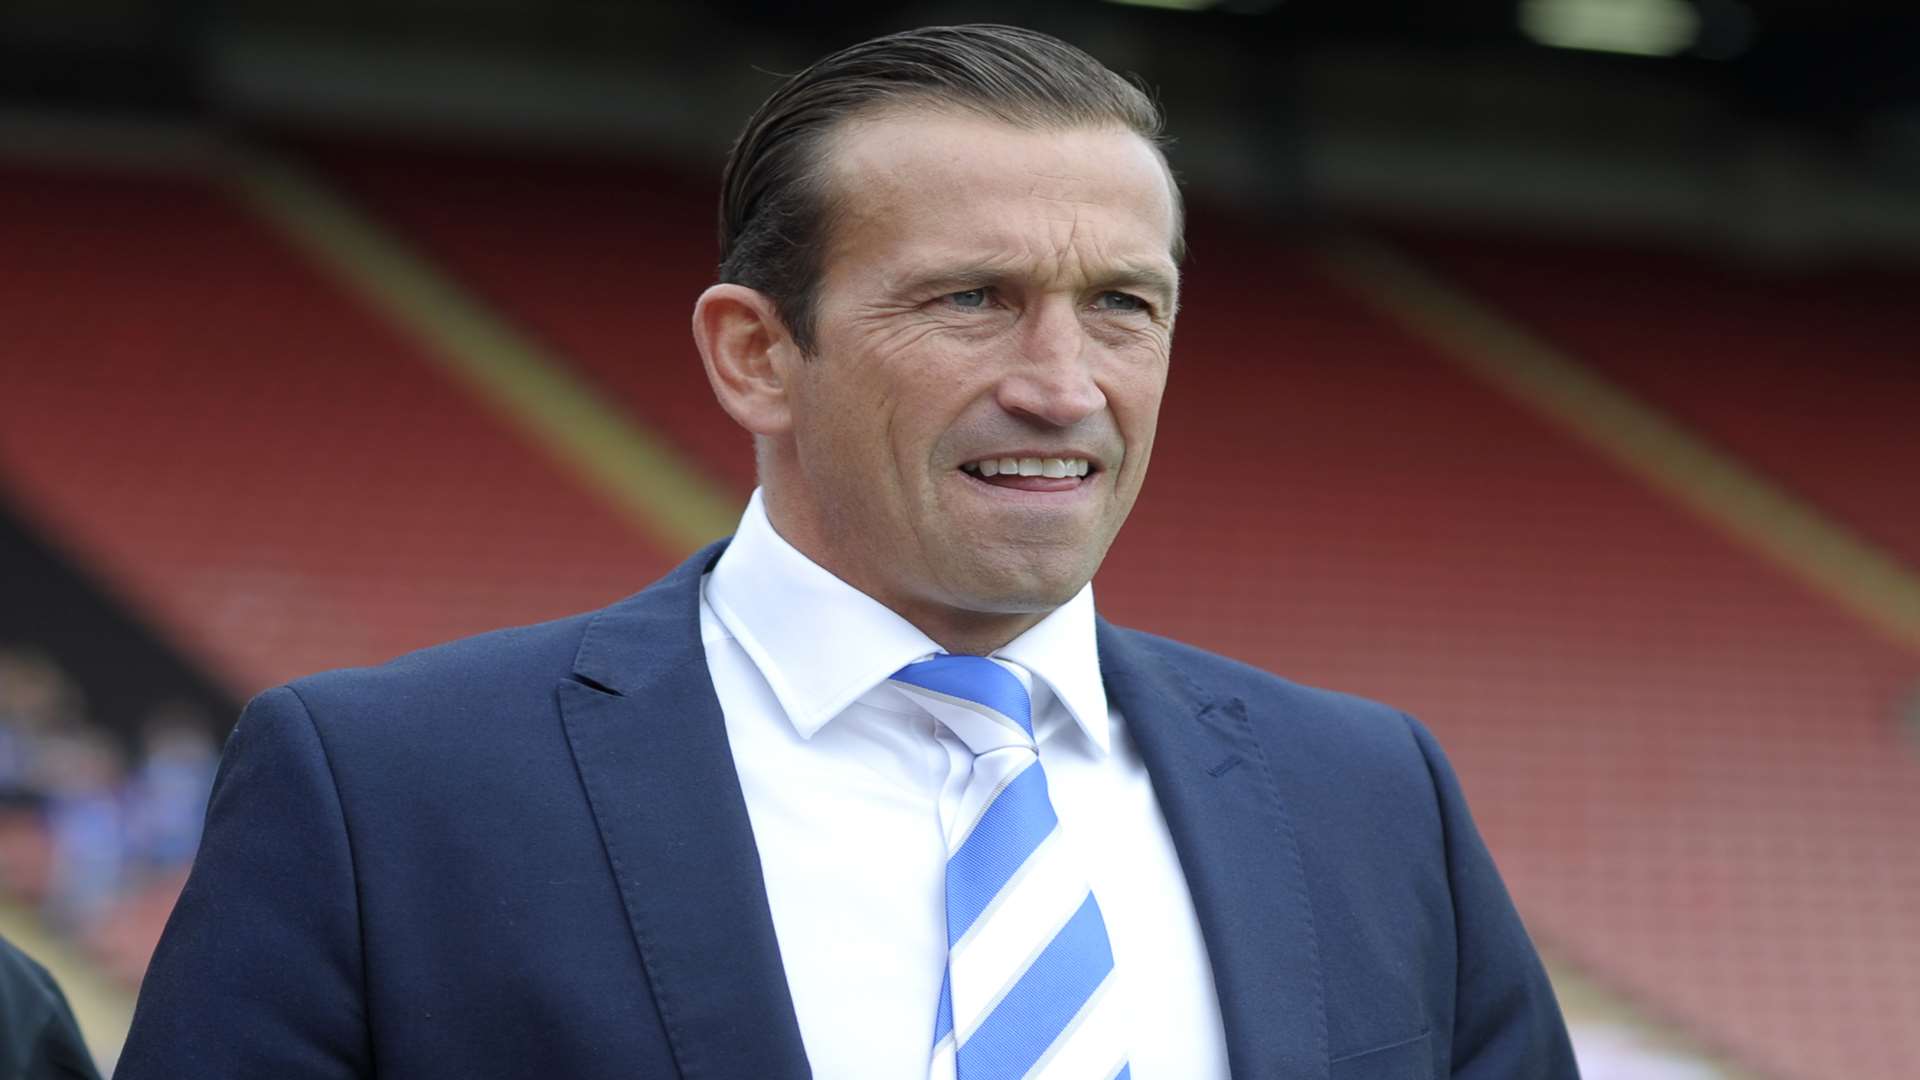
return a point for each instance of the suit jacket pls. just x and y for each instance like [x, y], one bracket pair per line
[526, 854]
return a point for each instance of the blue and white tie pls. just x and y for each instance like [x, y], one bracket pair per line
[1027, 992]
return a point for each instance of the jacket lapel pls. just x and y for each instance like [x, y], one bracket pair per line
[1235, 838]
[651, 746]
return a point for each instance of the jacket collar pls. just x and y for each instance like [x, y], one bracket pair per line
[651, 746]
[1235, 838]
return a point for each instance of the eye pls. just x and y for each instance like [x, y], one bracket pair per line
[972, 298]
[1119, 301]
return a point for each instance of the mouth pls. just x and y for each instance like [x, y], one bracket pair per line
[1032, 473]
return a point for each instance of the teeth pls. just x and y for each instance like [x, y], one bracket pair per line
[1032, 466]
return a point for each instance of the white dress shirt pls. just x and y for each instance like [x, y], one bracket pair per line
[845, 779]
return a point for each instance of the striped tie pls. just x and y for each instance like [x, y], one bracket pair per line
[1028, 964]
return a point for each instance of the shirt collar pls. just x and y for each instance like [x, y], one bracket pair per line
[846, 642]
[1060, 650]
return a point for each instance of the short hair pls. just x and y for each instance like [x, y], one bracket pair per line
[775, 212]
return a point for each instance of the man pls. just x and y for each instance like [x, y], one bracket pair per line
[780, 813]
[39, 1039]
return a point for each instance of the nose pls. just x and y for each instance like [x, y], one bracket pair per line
[1051, 380]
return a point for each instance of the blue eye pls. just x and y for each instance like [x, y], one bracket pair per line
[1119, 301]
[972, 298]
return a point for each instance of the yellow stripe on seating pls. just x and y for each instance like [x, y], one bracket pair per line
[662, 492]
[1629, 1033]
[1712, 484]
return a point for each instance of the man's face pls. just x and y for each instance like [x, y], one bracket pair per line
[993, 300]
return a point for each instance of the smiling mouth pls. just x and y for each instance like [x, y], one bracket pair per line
[1010, 467]
[1033, 475]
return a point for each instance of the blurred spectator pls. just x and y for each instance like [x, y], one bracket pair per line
[36, 698]
[39, 1039]
[100, 844]
[80, 772]
[167, 798]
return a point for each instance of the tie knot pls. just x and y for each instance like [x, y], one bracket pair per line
[979, 700]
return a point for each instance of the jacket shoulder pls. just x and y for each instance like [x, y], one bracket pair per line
[459, 688]
[477, 666]
[1318, 736]
[1214, 675]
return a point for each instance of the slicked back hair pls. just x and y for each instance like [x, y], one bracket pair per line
[775, 209]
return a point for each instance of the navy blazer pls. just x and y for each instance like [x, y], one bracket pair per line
[527, 855]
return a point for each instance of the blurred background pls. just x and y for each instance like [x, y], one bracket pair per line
[1549, 368]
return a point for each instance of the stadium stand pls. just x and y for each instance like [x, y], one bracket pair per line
[623, 249]
[1808, 375]
[255, 458]
[1687, 763]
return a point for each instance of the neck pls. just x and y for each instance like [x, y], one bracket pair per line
[971, 633]
[958, 629]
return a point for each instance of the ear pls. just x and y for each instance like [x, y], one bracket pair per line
[748, 354]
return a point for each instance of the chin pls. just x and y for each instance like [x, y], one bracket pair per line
[1024, 594]
[1008, 577]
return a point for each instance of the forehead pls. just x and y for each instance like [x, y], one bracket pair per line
[919, 186]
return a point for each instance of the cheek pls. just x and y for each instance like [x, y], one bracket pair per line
[1136, 407]
[1134, 394]
[928, 398]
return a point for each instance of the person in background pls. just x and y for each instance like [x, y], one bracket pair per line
[83, 770]
[36, 699]
[100, 849]
[166, 798]
[39, 1038]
